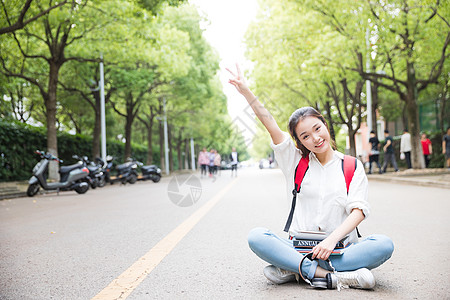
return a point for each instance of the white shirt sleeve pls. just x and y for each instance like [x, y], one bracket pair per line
[358, 192]
[286, 154]
[402, 143]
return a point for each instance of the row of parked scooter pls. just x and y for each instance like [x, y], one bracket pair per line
[87, 174]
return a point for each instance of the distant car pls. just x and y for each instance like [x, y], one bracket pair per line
[226, 165]
[266, 164]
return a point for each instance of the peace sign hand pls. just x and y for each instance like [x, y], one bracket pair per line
[238, 81]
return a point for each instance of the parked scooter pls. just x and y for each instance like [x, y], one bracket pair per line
[95, 172]
[150, 172]
[126, 172]
[105, 168]
[71, 177]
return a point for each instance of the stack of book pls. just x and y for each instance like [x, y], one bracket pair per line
[304, 242]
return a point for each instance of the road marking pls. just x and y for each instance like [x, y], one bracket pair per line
[122, 286]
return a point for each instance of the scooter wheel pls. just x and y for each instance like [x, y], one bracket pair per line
[101, 182]
[94, 184]
[156, 179]
[33, 189]
[132, 179]
[82, 189]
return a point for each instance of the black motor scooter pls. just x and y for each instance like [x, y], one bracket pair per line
[150, 172]
[71, 177]
[95, 177]
[126, 172]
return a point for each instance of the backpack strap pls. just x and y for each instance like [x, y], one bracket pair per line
[349, 164]
[299, 173]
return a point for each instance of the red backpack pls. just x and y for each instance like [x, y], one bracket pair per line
[349, 164]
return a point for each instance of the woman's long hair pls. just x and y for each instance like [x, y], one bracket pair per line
[299, 115]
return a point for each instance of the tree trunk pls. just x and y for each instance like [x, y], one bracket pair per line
[179, 145]
[97, 126]
[169, 133]
[330, 120]
[441, 104]
[186, 154]
[374, 107]
[351, 137]
[150, 142]
[128, 127]
[50, 105]
[404, 117]
[179, 156]
[417, 159]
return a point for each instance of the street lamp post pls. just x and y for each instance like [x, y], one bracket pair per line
[166, 139]
[102, 109]
[368, 86]
[192, 155]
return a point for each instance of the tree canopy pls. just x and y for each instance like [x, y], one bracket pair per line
[153, 52]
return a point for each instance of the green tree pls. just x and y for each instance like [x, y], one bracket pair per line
[41, 48]
[16, 15]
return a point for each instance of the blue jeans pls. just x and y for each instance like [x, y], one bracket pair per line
[368, 253]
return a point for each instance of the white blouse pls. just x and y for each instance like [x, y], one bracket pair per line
[323, 203]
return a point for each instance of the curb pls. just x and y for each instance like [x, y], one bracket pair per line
[13, 195]
[410, 181]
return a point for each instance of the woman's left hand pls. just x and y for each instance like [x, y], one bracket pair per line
[323, 249]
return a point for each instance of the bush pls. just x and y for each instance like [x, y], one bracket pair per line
[19, 141]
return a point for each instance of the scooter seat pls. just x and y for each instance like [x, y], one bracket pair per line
[124, 166]
[149, 168]
[93, 169]
[67, 169]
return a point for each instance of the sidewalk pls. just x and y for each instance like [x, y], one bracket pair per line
[13, 189]
[422, 177]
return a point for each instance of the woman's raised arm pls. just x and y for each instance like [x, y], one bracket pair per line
[261, 112]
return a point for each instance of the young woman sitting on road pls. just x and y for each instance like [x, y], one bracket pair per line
[323, 204]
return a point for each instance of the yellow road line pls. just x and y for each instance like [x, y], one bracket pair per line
[122, 286]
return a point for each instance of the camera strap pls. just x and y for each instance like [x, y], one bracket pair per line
[322, 283]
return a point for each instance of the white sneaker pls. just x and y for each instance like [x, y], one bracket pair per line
[279, 276]
[359, 279]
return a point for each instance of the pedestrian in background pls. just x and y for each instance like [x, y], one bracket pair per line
[374, 151]
[405, 147]
[426, 148]
[446, 147]
[217, 162]
[203, 161]
[212, 155]
[389, 155]
[324, 204]
[234, 158]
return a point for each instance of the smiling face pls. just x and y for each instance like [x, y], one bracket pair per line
[314, 135]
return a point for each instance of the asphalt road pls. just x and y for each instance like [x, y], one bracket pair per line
[72, 246]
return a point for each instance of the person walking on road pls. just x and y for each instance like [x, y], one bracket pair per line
[374, 151]
[203, 161]
[212, 156]
[323, 204]
[389, 155]
[234, 158]
[446, 147]
[217, 162]
[405, 147]
[426, 148]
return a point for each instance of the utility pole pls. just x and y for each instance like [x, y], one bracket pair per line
[166, 139]
[192, 155]
[368, 85]
[102, 109]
